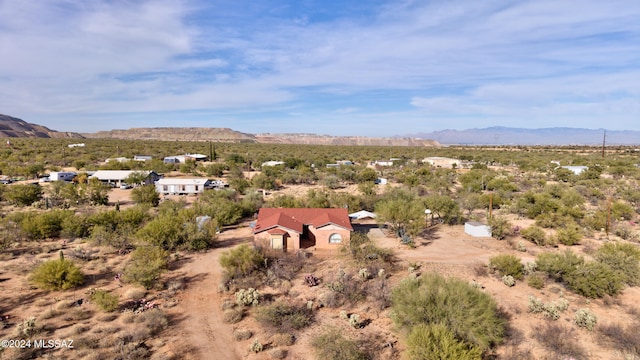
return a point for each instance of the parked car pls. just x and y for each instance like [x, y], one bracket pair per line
[124, 186]
[6, 181]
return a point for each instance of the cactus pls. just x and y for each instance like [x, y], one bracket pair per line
[364, 274]
[27, 328]
[354, 320]
[310, 305]
[586, 318]
[256, 346]
[311, 280]
[521, 246]
[343, 315]
[247, 297]
[382, 273]
[508, 280]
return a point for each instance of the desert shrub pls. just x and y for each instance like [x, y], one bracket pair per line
[594, 280]
[232, 316]
[469, 313]
[500, 227]
[506, 264]
[44, 225]
[625, 232]
[22, 195]
[241, 261]
[535, 234]
[622, 257]
[59, 274]
[436, 341]
[559, 340]
[283, 266]
[558, 266]
[536, 281]
[347, 288]
[380, 292]
[242, 334]
[625, 339]
[247, 297]
[332, 345]
[586, 318]
[105, 300]
[146, 194]
[155, 320]
[146, 265]
[278, 353]
[569, 235]
[285, 317]
[283, 339]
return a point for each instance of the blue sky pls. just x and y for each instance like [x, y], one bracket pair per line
[371, 68]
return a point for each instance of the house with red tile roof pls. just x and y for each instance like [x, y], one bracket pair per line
[301, 228]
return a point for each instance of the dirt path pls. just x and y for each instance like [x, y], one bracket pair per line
[201, 303]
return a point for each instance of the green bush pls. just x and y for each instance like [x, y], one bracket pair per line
[500, 227]
[146, 265]
[558, 266]
[146, 194]
[569, 235]
[535, 234]
[105, 300]
[23, 195]
[436, 341]
[595, 279]
[469, 313]
[241, 261]
[59, 274]
[536, 281]
[506, 264]
[284, 317]
[332, 345]
[622, 257]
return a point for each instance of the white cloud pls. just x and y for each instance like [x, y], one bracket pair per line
[493, 60]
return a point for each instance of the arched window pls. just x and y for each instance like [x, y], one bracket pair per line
[335, 239]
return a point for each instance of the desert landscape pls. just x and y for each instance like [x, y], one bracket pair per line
[558, 273]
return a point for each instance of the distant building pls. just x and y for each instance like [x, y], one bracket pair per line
[477, 229]
[382, 163]
[272, 163]
[76, 145]
[118, 177]
[142, 158]
[182, 186]
[576, 169]
[181, 159]
[62, 175]
[442, 162]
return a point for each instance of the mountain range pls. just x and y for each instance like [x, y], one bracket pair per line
[13, 127]
[545, 136]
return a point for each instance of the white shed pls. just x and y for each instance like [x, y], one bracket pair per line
[477, 229]
[182, 186]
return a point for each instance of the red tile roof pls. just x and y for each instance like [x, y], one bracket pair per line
[295, 218]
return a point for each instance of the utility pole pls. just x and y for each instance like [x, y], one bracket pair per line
[604, 138]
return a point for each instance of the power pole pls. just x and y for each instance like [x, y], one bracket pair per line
[604, 138]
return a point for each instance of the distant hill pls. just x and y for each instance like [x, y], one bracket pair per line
[11, 127]
[229, 135]
[518, 136]
[175, 134]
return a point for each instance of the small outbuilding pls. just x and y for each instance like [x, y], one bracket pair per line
[477, 229]
[362, 214]
[182, 186]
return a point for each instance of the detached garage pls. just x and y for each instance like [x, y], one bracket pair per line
[477, 229]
